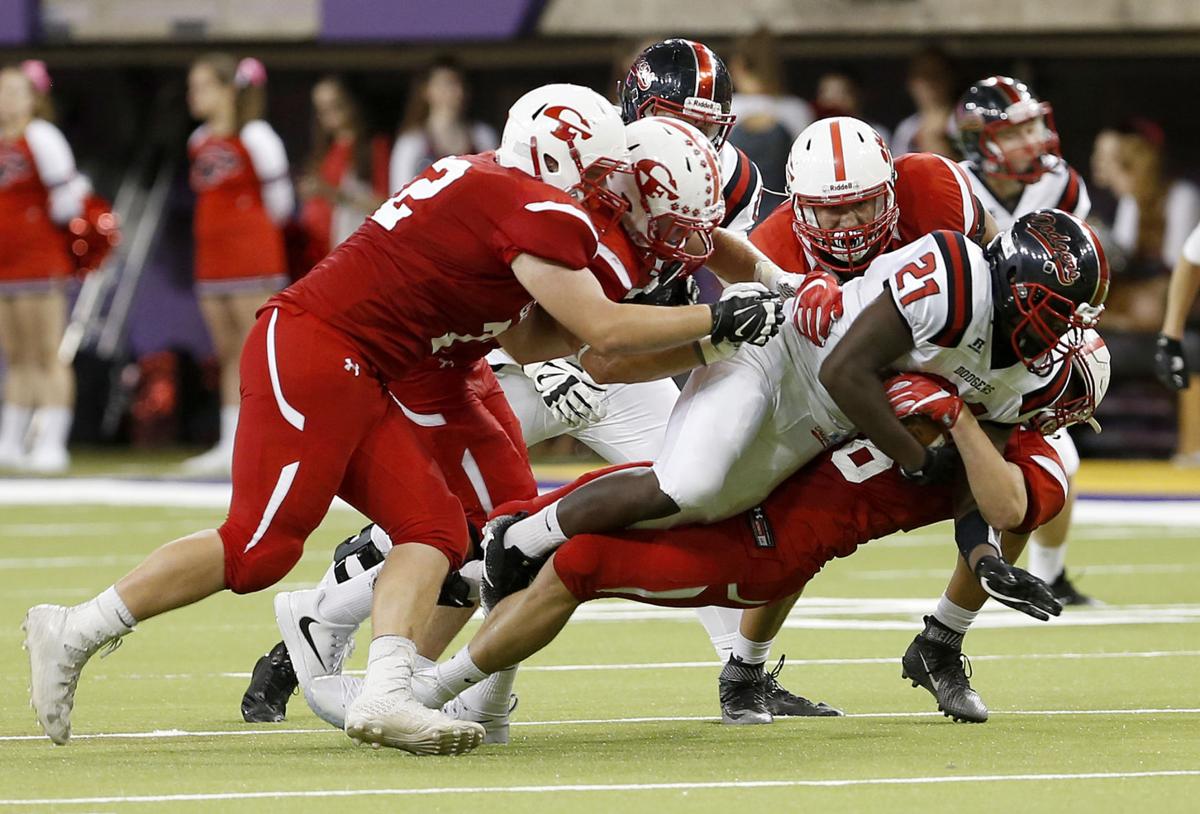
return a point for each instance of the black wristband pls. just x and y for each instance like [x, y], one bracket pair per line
[971, 531]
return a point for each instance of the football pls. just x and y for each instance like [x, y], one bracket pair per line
[927, 431]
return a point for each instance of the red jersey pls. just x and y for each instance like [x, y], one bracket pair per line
[429, 274]
[317, 214]
[31, 245]
[932, 193]
[235, 237]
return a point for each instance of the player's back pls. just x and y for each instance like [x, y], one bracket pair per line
[429, 272]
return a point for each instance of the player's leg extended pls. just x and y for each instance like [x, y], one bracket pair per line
[935, 659]
[703, 441]
[287, 465]
[393, 479]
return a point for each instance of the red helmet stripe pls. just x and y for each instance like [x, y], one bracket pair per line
[839, 160]
[1006, 87]
[704, 70]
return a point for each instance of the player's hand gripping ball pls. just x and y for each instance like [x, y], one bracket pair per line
[927, 405]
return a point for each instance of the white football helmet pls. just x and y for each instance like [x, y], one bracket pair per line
[840, 162]
[1091, 371]
[568, 136]
[673, 189]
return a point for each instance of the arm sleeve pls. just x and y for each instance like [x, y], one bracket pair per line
[1075, 198]
[271, 166]
[935, 193]
[406, 156]
[550, 229]
[934, 287]
[56, 168]
[1045, 478]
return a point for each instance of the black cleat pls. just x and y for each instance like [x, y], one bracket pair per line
[271, 684]
[782, 704]
[1066, 593]
[742, 690]
[936, 662]
[505, 570]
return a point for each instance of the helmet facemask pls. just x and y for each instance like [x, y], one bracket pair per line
[1047, 325]
[703, 114]
[1082, 395]
[846, 249]
[591, 191]
[1039, 159]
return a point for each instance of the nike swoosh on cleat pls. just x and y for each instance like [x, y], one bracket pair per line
[936, 684]
[305, 623]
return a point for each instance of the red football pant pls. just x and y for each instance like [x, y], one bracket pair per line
[315, 423]
[473, 435]
[691, 566]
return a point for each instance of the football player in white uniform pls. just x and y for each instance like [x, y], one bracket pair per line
[1011, 150]
[995, 324]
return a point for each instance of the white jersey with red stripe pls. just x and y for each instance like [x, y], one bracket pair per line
[1060, 188]
[942, 287]
[713, 467]
[742, 189]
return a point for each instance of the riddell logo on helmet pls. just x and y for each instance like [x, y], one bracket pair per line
[655, 181]
[1043, 229]
[571, 123]
[840, 186]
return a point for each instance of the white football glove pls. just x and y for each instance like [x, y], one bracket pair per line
[570, 393]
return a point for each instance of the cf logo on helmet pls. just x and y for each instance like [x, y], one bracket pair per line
[1063, 264]
[571, 123]
[654, 180]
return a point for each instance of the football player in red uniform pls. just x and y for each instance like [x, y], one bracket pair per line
[763, 558]
[483, 456]
[474, 251]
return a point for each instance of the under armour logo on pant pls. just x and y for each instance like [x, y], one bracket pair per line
[352, 365]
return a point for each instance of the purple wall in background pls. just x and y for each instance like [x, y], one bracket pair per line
[425, 19]
[16, 21]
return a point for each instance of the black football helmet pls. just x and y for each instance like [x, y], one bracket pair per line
[684, 80]
[997, 103]
[1050, 279]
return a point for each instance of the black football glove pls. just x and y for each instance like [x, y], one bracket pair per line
[1016, 588]
[941, 464]
[746, 312]
[1169, 363]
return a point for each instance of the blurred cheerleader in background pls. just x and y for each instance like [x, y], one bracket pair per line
[40, 192]
[239, 172]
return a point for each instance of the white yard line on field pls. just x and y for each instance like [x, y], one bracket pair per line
[169, 734]
[684, 785]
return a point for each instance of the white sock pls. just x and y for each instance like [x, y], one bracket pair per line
[722, 625]
[229, 420]
[1047, 563]
[349, 602]
[493, 695]
[99, 620]
[53, 427]
[386, 654]
[434, 688]
[14, 423]
[749, 652]
[538, 534]
[956, 618]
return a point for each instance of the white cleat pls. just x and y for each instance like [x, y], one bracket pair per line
[330, 696]
[47, 461]
[54, 667]
[495, 727]
[217, 461]
[387, 714]
[316, 647]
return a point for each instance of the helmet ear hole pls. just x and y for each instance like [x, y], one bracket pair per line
[550, 162]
